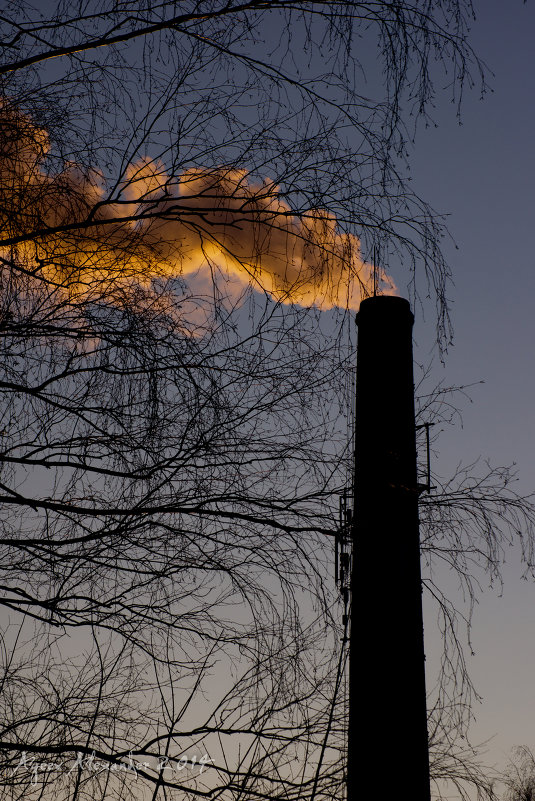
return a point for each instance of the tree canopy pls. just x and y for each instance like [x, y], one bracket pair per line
[191, 196]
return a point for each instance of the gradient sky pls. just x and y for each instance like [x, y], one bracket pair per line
[481, 173]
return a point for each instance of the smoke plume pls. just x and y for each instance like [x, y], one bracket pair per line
[91, 241]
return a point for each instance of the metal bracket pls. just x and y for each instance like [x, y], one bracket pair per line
[342, 546]
[427, 486]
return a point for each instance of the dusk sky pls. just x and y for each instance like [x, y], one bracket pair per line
[480, 173]
[474, 169]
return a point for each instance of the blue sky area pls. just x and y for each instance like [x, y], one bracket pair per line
[481, 174]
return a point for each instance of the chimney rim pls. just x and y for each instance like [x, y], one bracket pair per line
[387, 306]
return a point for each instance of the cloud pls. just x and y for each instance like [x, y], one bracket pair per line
[194, 226]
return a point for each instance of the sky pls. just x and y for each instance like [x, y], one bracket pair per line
[481, 174]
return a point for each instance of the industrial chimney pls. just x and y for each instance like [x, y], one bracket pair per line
[388, 746]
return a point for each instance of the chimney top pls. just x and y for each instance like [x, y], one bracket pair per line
[386, 307]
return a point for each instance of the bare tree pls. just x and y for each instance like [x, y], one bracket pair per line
[519, 777]
[188, 194]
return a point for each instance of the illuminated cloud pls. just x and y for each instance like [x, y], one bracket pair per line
[203, 223]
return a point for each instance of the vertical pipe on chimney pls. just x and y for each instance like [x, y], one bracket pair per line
[388, 744]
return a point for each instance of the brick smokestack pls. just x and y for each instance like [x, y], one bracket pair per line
[388, 745]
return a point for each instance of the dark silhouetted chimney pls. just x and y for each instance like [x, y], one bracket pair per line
[388, 746]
